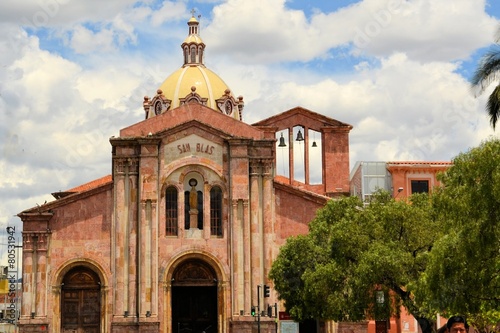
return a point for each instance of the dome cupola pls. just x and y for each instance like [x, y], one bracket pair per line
[194, 83]
[193, 46]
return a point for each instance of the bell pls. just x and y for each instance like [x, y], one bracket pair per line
[282, 141]
[314, 144]
[299, 136]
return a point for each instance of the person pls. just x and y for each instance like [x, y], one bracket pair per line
[457, 324]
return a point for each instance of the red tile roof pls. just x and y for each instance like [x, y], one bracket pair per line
[91, 185]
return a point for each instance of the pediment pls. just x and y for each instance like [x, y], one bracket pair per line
[189, 114]
[301, 116]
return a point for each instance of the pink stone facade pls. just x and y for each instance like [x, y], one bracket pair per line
[115, 228]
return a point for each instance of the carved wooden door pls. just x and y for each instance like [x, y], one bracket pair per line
[194, 309]
[80, 302]
[381, 326]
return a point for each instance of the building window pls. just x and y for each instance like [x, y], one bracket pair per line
[216, 211]
[171, 211]
[419, 186]
[193, 55]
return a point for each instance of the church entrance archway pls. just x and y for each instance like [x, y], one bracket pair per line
[80, 302]
[194, 298]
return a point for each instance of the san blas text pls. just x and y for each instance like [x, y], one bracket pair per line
[200, 148]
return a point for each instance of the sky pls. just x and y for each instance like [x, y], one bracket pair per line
[72, 73]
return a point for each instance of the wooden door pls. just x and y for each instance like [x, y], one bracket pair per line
[381, 326]
[194, 309]
[80, 302]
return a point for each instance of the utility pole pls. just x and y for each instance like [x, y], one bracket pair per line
[255, 310]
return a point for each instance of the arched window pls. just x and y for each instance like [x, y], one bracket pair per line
[216, 211]
[171, 211]
[200, 52]
[193, 55]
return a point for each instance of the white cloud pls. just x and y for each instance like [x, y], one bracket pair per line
[86, 41]
[59, 13]
[168, 11]
[423, 29]
[405, 99]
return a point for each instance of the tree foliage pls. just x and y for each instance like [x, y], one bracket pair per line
[350, 252]
[463, 273]
[438, 254]
[488, 71]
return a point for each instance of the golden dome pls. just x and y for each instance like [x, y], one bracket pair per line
[179, 85]
[193, 82]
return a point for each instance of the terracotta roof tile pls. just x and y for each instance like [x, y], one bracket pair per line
[91, 185]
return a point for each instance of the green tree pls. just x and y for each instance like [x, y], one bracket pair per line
[351, 254]
[463, 273]
[488, 71]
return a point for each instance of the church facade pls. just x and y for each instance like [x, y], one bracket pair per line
[182, 234]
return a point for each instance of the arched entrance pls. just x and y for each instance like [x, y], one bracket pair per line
[80, 301]
[194, 298]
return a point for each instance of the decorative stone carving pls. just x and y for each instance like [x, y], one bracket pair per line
[255, 167]
[227, 104]
[267, 167]
[157, 105]
[122, 163]
[193, 97]
[194, 272]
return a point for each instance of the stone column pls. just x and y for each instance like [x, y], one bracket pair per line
[255, 229]
[125, 232]
[147, 255]
[247, 255]
[131, 268]
[268, 215]
[28, 277]
[117, 238]
[41, 276]
[237, 257]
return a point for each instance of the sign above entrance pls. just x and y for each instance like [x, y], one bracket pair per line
[193, 145]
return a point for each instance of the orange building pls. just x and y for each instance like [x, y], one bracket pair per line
[410, 177]
[181, 236]
[400, 178]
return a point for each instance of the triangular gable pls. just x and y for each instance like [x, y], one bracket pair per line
[301, 116]
[193, 112]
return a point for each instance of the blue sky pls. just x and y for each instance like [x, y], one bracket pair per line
[72, 73]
